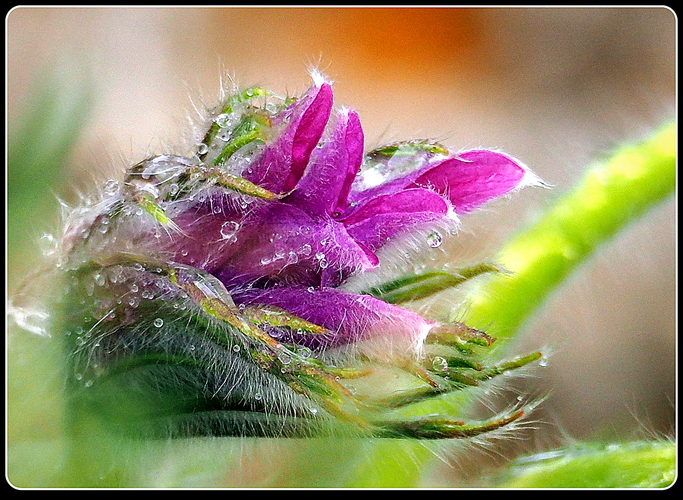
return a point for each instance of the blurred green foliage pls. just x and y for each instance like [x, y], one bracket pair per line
[638, 464]
[39, 144]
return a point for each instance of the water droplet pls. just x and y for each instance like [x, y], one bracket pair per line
[311, 289]
[99, 279]
[48, 244]
[223, 120]
[284, 355]
[236, 348]
[306, 249]
[229, 229]
[434, 239]
[323, 264]
[257, 397]
[158, 322]
[439, 364]
[31, 320]
[202, 148]
[173, 189]
[292, 258]
[111, 187]
[133, 302]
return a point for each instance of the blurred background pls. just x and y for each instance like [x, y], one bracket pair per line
[559, 88]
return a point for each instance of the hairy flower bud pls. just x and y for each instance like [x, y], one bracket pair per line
[205, 293]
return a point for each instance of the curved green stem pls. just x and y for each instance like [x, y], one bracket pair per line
[611, 195]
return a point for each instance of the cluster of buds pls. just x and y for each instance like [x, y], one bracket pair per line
[216, 293]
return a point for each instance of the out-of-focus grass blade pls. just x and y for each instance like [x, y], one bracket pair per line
[639, 464]
[38, 146]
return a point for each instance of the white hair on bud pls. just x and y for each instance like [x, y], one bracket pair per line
[318, 77]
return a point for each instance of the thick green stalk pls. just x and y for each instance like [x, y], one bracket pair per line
[611, 195]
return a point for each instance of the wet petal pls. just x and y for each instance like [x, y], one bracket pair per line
[474, 178]
[384, 217]
[283, 162]
[349, 317]
[468, 180]
[324, 187]
[283, 243]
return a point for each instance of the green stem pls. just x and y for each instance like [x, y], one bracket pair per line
[613, 194]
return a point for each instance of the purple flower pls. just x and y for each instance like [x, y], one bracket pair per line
[335, 211]
[216, 287]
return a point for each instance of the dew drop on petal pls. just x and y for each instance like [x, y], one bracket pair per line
[229, 229]
[434, 239]
[158, 322]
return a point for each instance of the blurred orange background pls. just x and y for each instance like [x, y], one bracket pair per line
[558, 88]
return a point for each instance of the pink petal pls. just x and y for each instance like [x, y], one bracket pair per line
[386, 216]
[283, 161]
[473, 178]
[349, 317]
[325, 185]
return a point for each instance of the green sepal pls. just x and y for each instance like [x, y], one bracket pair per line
[441, 428]
[233, 101]
[420, 286]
